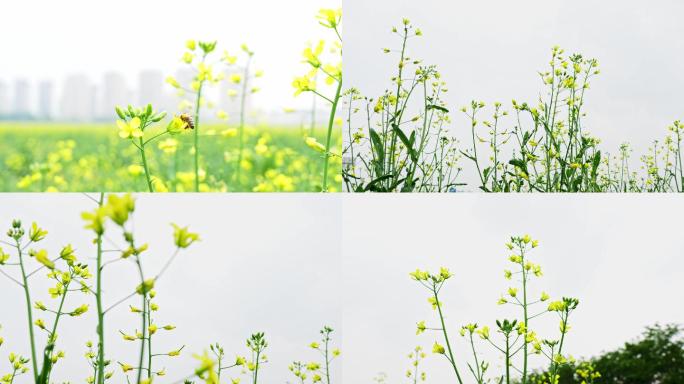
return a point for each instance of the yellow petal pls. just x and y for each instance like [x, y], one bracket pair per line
[135, 123]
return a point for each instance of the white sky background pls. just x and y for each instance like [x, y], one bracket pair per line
[265, 263]
[44, 39]
[620, 255]
[492, 50]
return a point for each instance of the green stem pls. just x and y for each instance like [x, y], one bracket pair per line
[100, 311]
[49, 347]
[524, 281]
[149, 340]
[328, 140]
[144, 321]
[477, 363]
[560, 347]
[145, 166]
[29, 311]
[327, 361]
[508, 360]
[446, 336]
[14, 374]
[256, 368]
[197, 125]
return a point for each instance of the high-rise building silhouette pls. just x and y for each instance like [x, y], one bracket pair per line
[45, 100]
[150, 89]
[77, 102]
[114, 92]
[22, 99]
[4, 100]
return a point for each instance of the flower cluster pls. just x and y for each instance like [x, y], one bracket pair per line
[520, 341]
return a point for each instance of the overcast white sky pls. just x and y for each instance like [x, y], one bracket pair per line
[491, 50]
[44, 39]
[620, 255]
[268, 264]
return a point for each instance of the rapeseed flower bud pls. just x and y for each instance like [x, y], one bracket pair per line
[329, 18]
[36, 233]
[40, 323]
[312, 143]
[79, 310]
[3, 256]
[437, 348]
[145, 287]
[173, 82]
[95, 220]
[42, 257]
[182, 237]
[119, 208]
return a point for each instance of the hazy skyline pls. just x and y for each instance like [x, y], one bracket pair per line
[93, 39]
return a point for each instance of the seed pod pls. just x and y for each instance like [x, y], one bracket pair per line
[159, 117]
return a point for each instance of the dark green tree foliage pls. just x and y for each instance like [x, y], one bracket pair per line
[657, 357]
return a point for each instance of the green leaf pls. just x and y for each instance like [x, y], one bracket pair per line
[407, 143]
[437, 107]
[377, 146]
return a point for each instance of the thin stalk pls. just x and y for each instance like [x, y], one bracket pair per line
[29, 311]
[524, 281]
[328, 140]
[197, 125]
[313, 111]
[100, 312]
[508, 360]
[446, 336]
[256, 368]
[47, 364]
[477, 362]
[560, 347]
[327, 361]
[144, 320]
[149, 340]
[145, 166]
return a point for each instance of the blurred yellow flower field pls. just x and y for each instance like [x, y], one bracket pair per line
[92, 157]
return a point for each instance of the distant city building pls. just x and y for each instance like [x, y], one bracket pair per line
[150, 89]
[45, 100]
[22, 99]
[78, 98]
[4, 100]
[114, 92]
